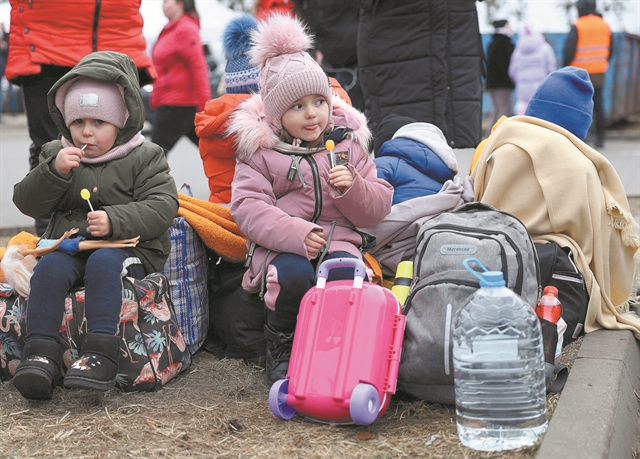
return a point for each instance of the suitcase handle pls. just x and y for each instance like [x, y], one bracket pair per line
[358, 265]
[360, 270]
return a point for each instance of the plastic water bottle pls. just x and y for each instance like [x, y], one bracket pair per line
[498, 363]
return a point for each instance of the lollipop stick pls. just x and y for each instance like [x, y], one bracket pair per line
[90, 206]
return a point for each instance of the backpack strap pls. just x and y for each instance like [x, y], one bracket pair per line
[555, 377]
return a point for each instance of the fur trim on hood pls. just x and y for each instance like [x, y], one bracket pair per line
[253, 133]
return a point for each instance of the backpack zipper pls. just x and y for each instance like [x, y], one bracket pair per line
[413, 291]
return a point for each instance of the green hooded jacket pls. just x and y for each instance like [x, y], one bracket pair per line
[137, 191]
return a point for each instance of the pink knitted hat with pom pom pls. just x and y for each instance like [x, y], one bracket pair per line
[287, 71]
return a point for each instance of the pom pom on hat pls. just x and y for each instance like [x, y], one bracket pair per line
[287, 71]
[565, 98]
[241, 77]
[89, 98]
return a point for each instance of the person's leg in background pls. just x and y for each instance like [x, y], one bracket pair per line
[1, 91]
[171, 124]
[599, 120]
[501, 100]
[42, 129]
[14, 94]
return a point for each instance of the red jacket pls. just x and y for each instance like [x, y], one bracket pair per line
[183, 74]
[62, 32]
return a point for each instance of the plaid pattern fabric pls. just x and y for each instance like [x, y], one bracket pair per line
[186, 270]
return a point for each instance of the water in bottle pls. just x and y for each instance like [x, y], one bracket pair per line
[498, 362]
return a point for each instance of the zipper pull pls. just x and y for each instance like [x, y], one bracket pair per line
[247, 260]
[291, 175]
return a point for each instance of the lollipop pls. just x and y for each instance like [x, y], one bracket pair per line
[330, 145]
[86, 195]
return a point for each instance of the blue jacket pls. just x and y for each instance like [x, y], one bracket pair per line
[412, 168]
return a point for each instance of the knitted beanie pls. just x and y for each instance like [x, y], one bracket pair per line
[240, 76]
[287, 71]
[565, 98]
[586, 7]
[89, 98]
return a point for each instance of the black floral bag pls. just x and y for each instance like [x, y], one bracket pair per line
[152, 348]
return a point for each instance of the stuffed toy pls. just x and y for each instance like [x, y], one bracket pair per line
[20, 256]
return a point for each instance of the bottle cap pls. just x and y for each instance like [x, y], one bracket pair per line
[405, 269]
[492, 279]
[550, 289]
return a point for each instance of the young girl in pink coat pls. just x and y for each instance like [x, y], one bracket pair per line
[294, 205]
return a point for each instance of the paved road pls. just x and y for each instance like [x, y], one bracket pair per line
[623, 150]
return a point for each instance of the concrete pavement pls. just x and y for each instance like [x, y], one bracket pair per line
[597, 413]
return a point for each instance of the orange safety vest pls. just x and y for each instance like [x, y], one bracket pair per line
[592, 49]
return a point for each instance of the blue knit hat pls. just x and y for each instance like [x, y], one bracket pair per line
[565, 98]
[240, 76]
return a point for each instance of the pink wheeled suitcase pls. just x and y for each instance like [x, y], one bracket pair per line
[346, 351]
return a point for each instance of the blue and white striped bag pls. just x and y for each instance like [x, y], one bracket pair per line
[186, 270]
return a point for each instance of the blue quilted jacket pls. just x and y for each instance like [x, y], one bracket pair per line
[412, 168]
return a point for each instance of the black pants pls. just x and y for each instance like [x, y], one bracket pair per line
[599, 120]
[42, 129]
[171, 123]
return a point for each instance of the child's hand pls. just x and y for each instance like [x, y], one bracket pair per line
[314, 242]
[341, 177]
[99, 224]
[68, 158]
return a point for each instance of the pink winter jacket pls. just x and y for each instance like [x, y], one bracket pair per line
[277, 213]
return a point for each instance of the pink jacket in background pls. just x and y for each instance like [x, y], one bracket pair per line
[532, 60]
[183, 74]
[276, 213]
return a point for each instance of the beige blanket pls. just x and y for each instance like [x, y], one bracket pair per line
[565, 191]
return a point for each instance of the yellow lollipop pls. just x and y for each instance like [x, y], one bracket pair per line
[330, 145]
[86, 195]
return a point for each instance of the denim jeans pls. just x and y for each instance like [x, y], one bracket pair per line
[57, 273]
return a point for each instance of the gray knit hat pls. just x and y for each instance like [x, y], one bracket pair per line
[287, 71]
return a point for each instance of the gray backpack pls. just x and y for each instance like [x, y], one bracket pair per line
[441, 284]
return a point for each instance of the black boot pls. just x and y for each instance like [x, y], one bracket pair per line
[39, 371]
[97, 366]
[278, 353]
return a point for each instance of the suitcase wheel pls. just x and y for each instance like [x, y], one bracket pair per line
[364, 405]
[278, 400]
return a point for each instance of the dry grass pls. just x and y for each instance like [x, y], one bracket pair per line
[216, 409]
[219, 408]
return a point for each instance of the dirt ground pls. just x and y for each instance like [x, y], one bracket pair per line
[219, 408]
